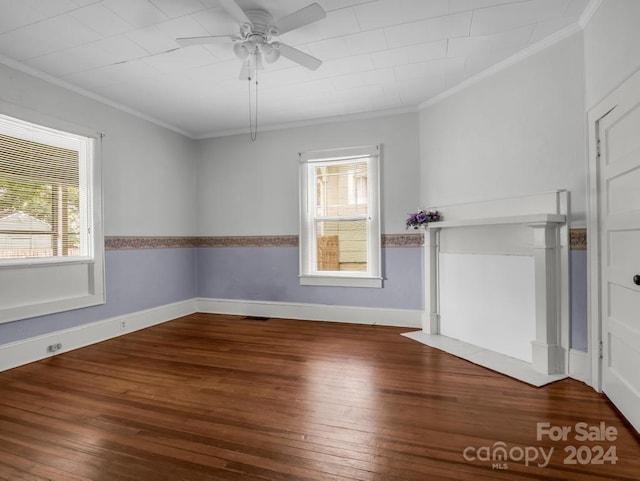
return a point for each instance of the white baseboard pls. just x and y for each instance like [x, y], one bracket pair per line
[509, 366]
[22, 352]
[580, 366]
[313, 312]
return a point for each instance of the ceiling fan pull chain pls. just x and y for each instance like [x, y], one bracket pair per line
[255, 136]
[253, 127]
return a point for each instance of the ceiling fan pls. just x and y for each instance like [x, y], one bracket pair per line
[253, 43]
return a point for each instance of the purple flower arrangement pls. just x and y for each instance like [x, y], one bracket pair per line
[422, 218]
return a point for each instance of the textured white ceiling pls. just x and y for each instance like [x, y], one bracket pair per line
[378, 54]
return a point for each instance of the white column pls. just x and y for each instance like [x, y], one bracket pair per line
[547, 353]
[431, 315]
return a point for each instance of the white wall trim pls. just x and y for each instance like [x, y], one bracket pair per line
[22, 352]
[505, 64]
[209, 135]
[594, 268]
[589, 12]
[509, 366]
[33, 349]
[85, 93]
[306, 123]
[583, 21]
[312, 312]
[594, 222]
[580, 366]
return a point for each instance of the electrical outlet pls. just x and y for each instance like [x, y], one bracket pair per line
[123, 325]
[54, 347]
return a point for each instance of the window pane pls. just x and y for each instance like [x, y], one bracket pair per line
[341, 190]
[25, 245]
[342, 245]
[32, 199]
[39, 199]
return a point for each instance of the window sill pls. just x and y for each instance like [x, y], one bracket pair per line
[48, 286]
[341, 281]
[45, 261]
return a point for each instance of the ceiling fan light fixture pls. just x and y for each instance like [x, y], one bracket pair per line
[272, 54]
[241, 50]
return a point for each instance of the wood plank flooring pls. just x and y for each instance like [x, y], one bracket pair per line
[212, 397]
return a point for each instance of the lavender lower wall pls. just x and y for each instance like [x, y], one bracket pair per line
[138, 279]
[271, 274]
[135, 280]
[579, 318]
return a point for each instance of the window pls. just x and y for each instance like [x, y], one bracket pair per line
[339, 217]
[44, 192]
[51, 246]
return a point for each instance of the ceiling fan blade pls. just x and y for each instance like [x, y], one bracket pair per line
[188, 41]
[300, 18]
[298, 56]
[234, 10]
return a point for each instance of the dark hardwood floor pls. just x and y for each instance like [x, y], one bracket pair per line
[212, 397]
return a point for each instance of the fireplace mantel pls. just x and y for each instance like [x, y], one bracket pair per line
[543, 226]
[513, 219]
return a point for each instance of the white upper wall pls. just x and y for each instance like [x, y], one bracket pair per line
[611, 42]
[519, 131]
[148, 171]
[251, 188]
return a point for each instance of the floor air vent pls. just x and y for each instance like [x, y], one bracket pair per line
[256, 318]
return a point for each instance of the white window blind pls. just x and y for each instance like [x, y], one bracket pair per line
[340, 228]
[44, 192]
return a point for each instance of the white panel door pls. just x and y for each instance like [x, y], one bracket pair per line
[619, 165]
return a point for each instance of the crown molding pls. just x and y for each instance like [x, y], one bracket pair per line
[583, 21]
[589, 12]
[545, 43]
[500, 66]
[85, 93]
[209, 135]
[310, 122]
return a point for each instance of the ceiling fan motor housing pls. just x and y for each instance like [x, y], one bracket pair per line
[256, 37]
[262, 22]
[253, 43]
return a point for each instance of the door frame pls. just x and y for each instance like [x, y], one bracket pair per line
[594, 268]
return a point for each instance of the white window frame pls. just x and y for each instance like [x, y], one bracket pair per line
[85, 147]
[46, 285]
[309, 274]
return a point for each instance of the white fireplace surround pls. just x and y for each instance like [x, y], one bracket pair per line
[497, 285]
